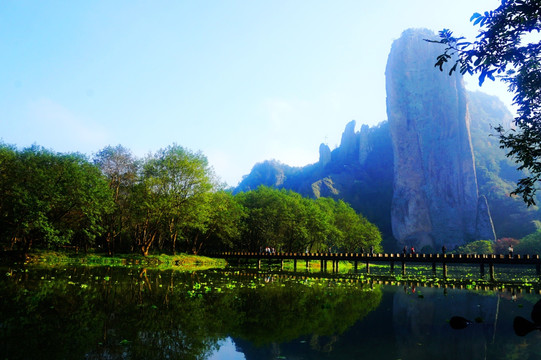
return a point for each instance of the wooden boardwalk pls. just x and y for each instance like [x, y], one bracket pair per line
[402, 259]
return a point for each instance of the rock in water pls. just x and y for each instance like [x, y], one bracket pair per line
[435, 200]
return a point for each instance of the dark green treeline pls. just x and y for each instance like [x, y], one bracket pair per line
[168, 202]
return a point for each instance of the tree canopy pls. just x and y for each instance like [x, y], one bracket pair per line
[167, 202]
[506, 48]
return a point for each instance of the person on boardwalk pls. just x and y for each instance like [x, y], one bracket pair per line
[412, 250]
[371, 249]
[405, 250]
[511, 250]
[443, 249]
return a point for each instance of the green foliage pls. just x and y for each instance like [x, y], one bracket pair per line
[173, 187]
[120, 168]
[50, 200]
[530, 244]
[168, 201]
[288, 222]
[476, 247]
[503, 51]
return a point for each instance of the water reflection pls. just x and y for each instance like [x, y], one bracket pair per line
[523, 326]
[227, 351]
[115, 313]
[422, 324]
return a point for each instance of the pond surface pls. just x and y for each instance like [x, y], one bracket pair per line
[119, 313]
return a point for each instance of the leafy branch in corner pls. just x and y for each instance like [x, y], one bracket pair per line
[507, 49]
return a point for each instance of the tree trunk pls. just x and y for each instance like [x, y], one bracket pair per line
[194, 244]
[175, 242]
[108, 242]
[145, 247]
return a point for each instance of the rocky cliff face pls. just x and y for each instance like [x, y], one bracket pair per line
[435, 199]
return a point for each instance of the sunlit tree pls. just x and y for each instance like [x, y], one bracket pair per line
[121, 169]
[175, 181]
[51, 200]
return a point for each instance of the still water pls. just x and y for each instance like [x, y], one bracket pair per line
[119, 313]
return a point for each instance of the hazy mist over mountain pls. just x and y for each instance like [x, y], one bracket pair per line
[362, 169]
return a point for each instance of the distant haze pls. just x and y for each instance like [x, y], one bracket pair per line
[241, 81]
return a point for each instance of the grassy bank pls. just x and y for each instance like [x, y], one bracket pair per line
[179, 262]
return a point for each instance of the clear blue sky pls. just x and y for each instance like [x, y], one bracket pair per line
[241, 81]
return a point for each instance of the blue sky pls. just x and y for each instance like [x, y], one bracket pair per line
[241, 81]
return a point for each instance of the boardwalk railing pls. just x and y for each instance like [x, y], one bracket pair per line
[403, 259]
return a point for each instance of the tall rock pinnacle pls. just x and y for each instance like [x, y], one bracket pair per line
[435, 199]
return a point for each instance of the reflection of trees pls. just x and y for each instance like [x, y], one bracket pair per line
[102, 313]
[45, 321]
[277, 313]
[128, 313]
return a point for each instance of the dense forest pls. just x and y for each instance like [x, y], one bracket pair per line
[167, 202]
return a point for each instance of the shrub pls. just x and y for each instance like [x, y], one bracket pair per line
[530, 244]
[476, 247]
[501, 246]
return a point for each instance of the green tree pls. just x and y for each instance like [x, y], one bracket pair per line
[9, 167]
[530, 244]
[51, 199]
[223, 224]
[503, 50]
[476, 247]
[262, 221]
[175, 181]
[288, 222]
[351, 231]
[120, 167]
[318, 224]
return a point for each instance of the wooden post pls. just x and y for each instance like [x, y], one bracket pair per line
[294, 264]
[307, 264]
[482, 270]
[444, 270]
[336, 265]
[356, 264]
[258, 264]
[491, 269]
[538, 269]
[434, 268]
[321, 263]
[392, 267]
[281, 264]
[403, 267]
[367, 267]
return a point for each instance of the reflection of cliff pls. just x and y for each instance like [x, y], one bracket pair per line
[421, 325]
